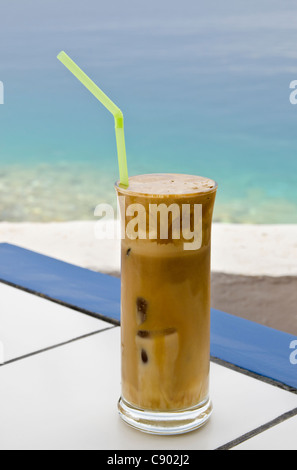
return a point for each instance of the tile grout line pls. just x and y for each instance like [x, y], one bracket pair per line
[255, 432]
[55, 346]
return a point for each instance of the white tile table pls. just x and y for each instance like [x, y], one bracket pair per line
[60, 372]
[65, 398]
[29, 323]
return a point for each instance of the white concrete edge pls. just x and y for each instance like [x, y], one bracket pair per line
[241, 249]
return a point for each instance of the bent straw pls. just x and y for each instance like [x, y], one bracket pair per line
[112, 108]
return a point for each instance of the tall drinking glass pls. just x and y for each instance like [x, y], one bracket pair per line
[165, 301]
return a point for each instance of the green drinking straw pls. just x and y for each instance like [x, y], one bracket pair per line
[115, 111]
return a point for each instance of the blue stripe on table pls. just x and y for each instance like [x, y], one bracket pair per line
[254, 347]
[95, 293]
[246, 344]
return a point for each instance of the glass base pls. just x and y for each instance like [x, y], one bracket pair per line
[166, 423]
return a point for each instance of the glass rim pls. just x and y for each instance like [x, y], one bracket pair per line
[120, 187]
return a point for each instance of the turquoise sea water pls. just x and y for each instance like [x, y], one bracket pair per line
[204, 90]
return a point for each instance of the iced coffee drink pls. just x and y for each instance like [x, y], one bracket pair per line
[165, 312]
